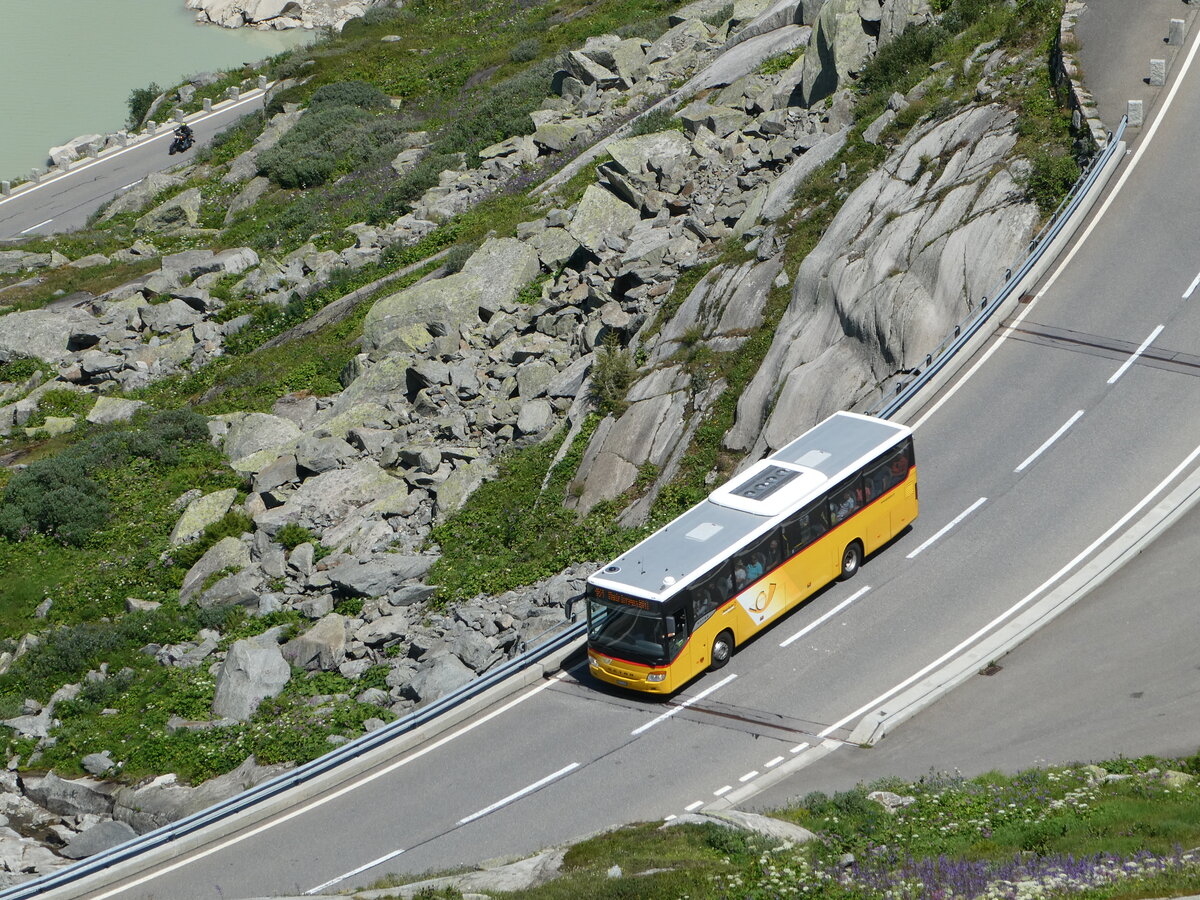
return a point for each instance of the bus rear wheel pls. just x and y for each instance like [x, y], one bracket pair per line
[851, 560]
[722, 649]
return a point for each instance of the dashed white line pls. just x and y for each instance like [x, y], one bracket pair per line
[833, 612]
[682, 706]
[670, 817]
[692, 807]
[349, 786]
[540, 783]
[364, 867]
[1136, 353]
[1191, 287]
[1054, 437]
[962, 515]
[33, 227]
[799, 747]
[771, 763]
[131, 184]
[1024, 601]
[751, 774]
[721, 791]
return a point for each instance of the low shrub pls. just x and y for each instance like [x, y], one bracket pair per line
[1050, 178]
[612, 374]
[55, 497]
[349, 93]
[233, 524]
[656, 121]
[526, 50]
[457, 257]
[291, 536]
[331, 139]
[139, 103]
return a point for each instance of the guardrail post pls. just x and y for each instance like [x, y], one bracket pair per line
[177, 115]
[5, 188]
[1134, 112]
[151, 127]
[93, 152]
[262, 82]
[1175, 35]
[35, 175]
[233, 93]
[208, 104]
[1158, 72]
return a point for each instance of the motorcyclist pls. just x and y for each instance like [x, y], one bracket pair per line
[183, 133]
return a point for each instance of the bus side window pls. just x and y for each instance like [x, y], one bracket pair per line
[844, 501]
[756, 560]
[709, 593]
[804, 528]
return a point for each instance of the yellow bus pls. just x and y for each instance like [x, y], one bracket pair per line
[680, 601]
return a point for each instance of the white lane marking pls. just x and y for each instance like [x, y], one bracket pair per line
[682, 706]
[833, 612]
[670, 817]
[529, 789]
[751, 774]
[721, 791]
[1136, 353]
[32, 227]
[1024, 601]
[799, 747]
[962, 515]
[352, 785]
[771, 763]
[131, 184]
[1050, 440]
[1079, 242]
[692, 807]
[216, 111]
[1187, 295]
[372, 864]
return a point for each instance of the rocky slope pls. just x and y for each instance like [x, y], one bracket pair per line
[457, 369]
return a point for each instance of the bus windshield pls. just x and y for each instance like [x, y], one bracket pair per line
[622, 631]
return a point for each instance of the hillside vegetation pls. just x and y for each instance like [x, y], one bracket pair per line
[392, 158]
[1120, 830]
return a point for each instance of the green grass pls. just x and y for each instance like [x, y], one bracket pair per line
[513, 532]
[957, 838]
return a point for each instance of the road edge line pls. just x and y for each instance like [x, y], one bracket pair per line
[875, 725]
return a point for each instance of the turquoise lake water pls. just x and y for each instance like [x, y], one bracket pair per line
[67, 66]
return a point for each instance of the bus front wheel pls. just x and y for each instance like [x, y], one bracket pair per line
[722, 649]
[851, 560]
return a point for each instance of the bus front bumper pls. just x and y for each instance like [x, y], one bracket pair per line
[629, 675]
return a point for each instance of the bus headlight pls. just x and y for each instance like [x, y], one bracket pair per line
[655, 677]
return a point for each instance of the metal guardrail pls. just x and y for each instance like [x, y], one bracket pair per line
[970, 326]
[288, 780]
[905, 391]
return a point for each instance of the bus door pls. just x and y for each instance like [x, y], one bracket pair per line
[708, 594]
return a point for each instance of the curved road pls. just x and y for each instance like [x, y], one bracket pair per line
[1085, 411]
[64, 201]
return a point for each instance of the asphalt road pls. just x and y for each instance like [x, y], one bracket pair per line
[1117, 675]
[1083, 410]
[65, 202]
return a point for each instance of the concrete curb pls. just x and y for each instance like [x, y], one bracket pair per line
[325, 783]
[875, 725]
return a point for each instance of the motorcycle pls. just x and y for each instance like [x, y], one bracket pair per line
[181, 144]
